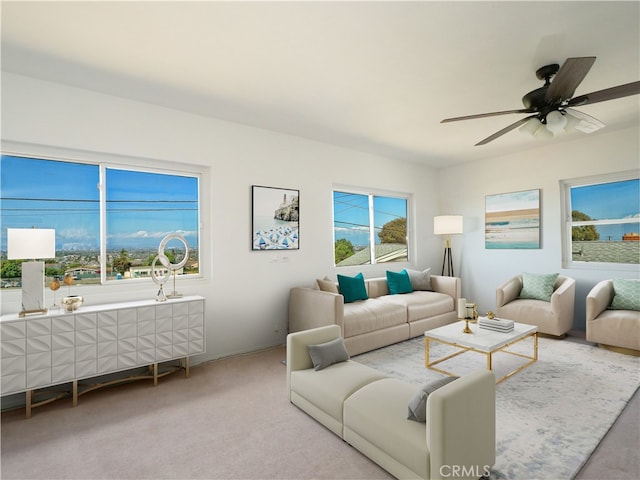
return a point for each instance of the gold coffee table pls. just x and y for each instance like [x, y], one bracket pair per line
[480, 340]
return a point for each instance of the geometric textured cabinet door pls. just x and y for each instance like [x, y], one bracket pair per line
[59, 347]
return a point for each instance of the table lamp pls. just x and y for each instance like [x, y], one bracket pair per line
[447, 225]
[31, 243]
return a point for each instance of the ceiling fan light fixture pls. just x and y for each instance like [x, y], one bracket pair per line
[531, 126]
[543, 133]
[556, 121]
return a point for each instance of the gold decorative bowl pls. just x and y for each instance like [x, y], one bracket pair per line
[72, 302]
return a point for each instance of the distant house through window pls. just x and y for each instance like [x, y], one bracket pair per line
[602, 220]
[369, 228]
[108, 221]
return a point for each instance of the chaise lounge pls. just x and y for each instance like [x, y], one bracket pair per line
[368, 410]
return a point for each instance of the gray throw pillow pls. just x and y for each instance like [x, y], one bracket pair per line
[418, 403]
[420, 280]
[328, 353]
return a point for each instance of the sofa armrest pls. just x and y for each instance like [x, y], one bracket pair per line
[562, 300]
[298, 357]
[508, 291]
[461, 426]
[599, 299]
[309, 308]
[448, 285]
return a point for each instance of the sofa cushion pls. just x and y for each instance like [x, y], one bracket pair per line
[328, 389]
[626, 294]
[384, 424]
[399, 282]
[328, 353]
[352, 288]
[417, 408]
[538, 286]
[420, 280]
[327, 285]
[530, 312]
[419, 305]
[372, 314]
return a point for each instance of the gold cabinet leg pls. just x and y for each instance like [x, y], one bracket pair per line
[155, 374]
[535, 346]
[186, 367]
[29, 398]
[75, 393]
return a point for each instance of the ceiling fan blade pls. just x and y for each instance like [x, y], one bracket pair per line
[482, 115]
[513, 126]
[570, 75]
[612, 93]
[584, 123]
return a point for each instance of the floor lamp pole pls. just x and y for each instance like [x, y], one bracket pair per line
[447, 260]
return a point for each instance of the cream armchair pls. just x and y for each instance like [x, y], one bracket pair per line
[611, 328]
[552, 318]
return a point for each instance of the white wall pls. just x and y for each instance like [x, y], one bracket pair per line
[246, 292]
[462, 190]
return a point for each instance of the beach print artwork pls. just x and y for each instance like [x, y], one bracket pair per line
[275, 218]
[512, 220]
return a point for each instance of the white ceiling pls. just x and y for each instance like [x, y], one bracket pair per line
[372, 76]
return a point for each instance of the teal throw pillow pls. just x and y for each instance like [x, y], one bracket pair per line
[352, 288]
[399, 282]
[626, 294]
[538, 286]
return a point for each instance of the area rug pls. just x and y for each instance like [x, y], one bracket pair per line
[551, 415]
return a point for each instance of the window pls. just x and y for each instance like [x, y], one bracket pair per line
[601, 220]
[369, 228]
[99, 238]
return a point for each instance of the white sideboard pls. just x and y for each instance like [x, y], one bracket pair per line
[59, 348]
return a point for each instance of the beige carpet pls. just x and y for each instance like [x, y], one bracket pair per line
[230, 420]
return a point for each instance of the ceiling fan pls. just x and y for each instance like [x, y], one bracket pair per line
[550, 104]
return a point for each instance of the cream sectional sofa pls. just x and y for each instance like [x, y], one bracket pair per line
[380, 320]
[368, 410]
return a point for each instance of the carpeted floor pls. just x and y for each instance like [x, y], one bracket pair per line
[230, 420]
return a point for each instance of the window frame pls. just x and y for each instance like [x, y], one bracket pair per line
[568, 223]
[371, 193]
[106, 161]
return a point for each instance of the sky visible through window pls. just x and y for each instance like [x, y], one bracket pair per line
[351, 215]
[607, 201]
[142, 207]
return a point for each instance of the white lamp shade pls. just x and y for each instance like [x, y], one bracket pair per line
[447, 224]
[31, 243]
[556, 121]
[531, 126]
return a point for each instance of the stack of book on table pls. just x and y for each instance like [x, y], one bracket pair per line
[496, 324]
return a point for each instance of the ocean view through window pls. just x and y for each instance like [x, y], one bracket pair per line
[369, 229]
[602, 220]
[108, 221]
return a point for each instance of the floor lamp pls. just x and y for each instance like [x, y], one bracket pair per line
[447, 225]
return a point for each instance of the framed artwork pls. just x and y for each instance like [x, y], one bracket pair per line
[512, 220]
[275, 218]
